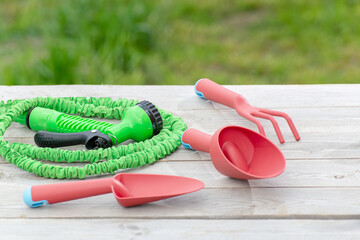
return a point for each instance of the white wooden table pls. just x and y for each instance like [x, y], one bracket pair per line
[317, 196]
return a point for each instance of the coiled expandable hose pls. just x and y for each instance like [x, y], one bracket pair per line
[28, 157]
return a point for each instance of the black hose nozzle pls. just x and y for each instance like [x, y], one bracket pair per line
[91, 139]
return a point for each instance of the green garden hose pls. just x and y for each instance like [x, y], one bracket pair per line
[108, 160]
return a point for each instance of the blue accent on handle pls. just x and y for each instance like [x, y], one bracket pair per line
[200, 94]
[185, 144]
[28, 199]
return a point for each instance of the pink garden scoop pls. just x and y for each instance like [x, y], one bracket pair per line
[130, 189]
[238, 152]
[210, 90]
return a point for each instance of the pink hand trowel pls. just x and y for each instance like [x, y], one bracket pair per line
[238, 152]
[130, 189]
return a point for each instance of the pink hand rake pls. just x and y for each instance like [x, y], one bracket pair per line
[210, 90]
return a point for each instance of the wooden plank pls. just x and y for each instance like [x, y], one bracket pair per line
[323, 132]
[312, 173]
[178, 229]
[267, 96]
[216, 203]
[305, 151]
[319, 118]
[292, 151]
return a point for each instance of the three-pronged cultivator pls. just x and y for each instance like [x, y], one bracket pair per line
[210, 90]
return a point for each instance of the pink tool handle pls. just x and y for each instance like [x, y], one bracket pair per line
[195, 139]
[36, 196]
[215, 92]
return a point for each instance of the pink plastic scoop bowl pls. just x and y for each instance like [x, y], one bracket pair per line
[238, 152]
[130, 189]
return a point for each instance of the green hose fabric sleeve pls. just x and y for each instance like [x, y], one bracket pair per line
[108, 160]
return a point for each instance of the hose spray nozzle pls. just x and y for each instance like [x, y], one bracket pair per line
[139, 123]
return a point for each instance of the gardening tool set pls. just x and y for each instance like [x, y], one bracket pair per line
[235, 151]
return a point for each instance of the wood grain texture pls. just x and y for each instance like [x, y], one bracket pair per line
[325, 132]
[83, 229]
[218, 203]
[181, 97]
[311, 173]
[316, 197]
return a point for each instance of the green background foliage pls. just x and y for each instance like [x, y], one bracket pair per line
[178, 42]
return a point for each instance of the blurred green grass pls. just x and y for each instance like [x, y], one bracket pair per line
[178, 42]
